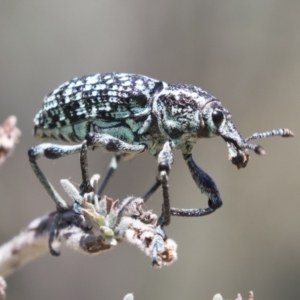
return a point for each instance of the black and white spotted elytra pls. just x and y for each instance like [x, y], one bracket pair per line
[128, 114]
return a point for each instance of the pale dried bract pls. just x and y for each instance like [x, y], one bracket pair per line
[107, 222]
[3, 286]
[9, 136]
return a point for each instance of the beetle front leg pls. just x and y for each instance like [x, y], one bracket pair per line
[207, 186]
[165, 161]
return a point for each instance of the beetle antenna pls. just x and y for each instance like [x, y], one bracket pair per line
[256, 148]
[284, 132]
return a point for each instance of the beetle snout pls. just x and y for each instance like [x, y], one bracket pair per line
[237, 155]
[241, 160]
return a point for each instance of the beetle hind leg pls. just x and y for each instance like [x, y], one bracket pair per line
[51, 151]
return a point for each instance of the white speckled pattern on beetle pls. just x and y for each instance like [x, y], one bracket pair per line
[125, 106]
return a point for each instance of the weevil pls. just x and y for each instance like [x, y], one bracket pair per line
[129, 114]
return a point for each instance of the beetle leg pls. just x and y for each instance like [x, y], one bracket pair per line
[165, 160]
[54, 151]
[51, 151]
[111, 144]
[85, 186]
[207, 186]
[152, 190]
[111, 169]
[114, 163]
[52, 233]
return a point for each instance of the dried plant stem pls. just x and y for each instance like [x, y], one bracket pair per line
[29, 244]
[106, 224]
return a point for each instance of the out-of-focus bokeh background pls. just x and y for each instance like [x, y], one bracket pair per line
[246, 53]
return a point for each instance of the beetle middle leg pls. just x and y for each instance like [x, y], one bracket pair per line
[109, 143]
[114, 163]
[112, 168]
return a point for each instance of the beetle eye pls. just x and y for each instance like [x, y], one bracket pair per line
[217, 117]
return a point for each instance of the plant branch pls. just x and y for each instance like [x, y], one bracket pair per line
[106, 224]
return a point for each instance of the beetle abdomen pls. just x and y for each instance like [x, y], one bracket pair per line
[95, 102]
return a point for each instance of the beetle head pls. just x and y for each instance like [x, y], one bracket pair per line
[216, 121]
[186, 113]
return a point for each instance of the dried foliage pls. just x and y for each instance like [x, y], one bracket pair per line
[238, 297]
[9, 136]
[106, 223]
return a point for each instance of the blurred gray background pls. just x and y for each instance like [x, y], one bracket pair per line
[246, 53]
